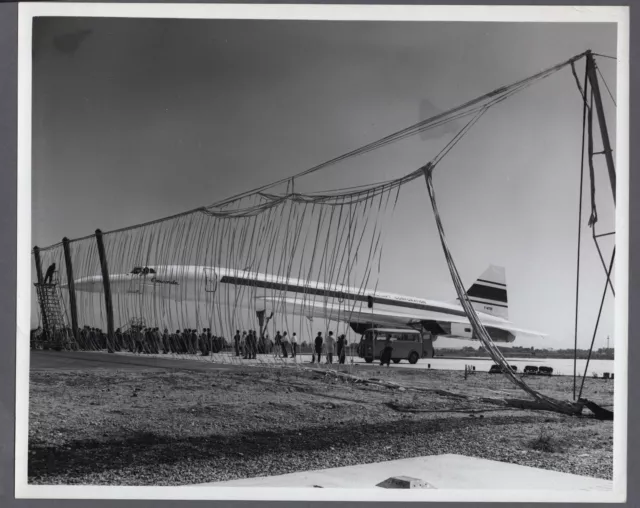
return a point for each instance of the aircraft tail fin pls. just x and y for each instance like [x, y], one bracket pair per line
[488, 294]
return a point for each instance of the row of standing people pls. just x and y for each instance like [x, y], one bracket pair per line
[187, 341]
[249, 344]
[246, 345]
[328, 346]
[152, 341]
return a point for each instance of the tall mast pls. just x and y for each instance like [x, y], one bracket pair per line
[608, 154]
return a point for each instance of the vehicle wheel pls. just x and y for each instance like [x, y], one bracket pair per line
[413, 358]
[368, 360]
[397, 360]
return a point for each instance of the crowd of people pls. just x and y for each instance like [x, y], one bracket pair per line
[247, 345]
[153, 341]
[139, 340]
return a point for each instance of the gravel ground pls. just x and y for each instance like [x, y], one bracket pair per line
[180, 427]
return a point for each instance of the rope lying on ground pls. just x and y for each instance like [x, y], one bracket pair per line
[541, 402]
[479, 330]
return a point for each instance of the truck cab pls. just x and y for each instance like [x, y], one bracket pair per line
[407, 344]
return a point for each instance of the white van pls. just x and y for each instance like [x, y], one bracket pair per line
[407, 345]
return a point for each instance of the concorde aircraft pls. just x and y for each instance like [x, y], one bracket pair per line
[360, 308]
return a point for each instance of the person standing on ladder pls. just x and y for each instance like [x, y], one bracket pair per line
[49, 275]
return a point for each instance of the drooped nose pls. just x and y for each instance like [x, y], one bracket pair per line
[89, 284]
[93, 284]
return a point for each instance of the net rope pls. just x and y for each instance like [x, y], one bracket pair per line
[244, 257]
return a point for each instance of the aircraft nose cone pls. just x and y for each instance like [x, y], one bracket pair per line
[88, 283]
[80, 285]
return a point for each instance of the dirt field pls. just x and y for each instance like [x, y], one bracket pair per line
[172, 427]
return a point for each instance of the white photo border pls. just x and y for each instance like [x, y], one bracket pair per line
[568, 14]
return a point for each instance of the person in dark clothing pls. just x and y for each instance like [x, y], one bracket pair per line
[143, 340]
[149, 341]
[253, 345]
[172, 342]
[285, 344]
[166, 346]
[49, 275]
[194, 341]
[204, 343]
[138, 341]
[157, 336]
[176, 341]
[185, 341]
[318, 347]
[385, 356]
[277, 342]
[119, 345]
[188, 341]
[157, 340]
[244, 345]
[249, 345]
[211, 341]
[236, 342]
[342, 348]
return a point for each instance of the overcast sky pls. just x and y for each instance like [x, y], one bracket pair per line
[138, 119]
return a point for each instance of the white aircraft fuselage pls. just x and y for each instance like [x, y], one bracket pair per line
[360, 307]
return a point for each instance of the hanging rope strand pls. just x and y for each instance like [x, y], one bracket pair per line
[584, 128]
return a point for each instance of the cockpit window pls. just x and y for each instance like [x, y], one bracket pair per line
[138, 269]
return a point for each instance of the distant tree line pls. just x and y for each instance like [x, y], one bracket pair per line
[528, 352]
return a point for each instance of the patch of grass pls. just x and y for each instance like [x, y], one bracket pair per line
[546, 442]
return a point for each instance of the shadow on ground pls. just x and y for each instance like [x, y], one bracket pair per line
[144, 449]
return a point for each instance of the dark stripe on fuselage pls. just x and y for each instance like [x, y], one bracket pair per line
[488, 293]
[280, 286]
[491, 282]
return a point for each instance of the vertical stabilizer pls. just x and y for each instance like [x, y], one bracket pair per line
[488, 294]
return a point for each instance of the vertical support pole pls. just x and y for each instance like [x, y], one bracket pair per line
[36, 256]
[38, 262]
[604, 132]
[584, 120]
[107, 290]
[72, 288]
